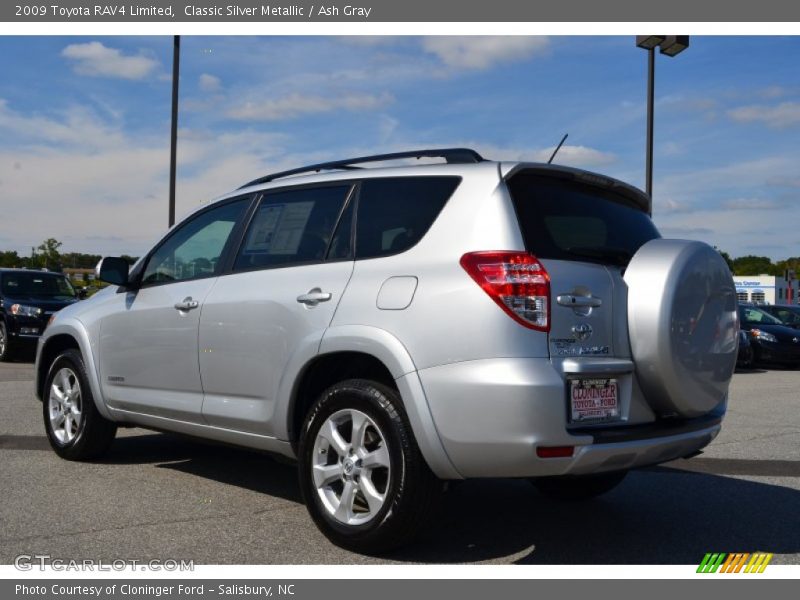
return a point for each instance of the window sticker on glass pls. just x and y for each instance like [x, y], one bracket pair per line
[278, 228]
[263, 228]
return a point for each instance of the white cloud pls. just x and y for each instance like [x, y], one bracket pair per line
[96, 60]
[752, 204]
[74, 125]
[784, 114]
[102, 190]
[481, 52]
[295, 105]
[575, 156]
[209, 83]
[672, 206]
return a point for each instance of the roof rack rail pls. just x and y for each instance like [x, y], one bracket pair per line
[451, 156]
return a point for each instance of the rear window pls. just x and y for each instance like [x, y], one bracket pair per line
[568, 220]
[394, 214]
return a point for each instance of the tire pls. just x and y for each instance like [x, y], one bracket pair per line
[575, 488]
[7, 350]
[363, 507]
[682, 324]
[75, 429]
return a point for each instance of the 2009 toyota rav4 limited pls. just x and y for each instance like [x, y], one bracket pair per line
[395, 327]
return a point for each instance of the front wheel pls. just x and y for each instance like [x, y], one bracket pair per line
[75, 429]
[578, 487]
[362, 476]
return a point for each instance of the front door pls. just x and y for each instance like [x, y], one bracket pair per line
[148, 342]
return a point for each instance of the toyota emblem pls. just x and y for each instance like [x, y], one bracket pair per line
[582, 331]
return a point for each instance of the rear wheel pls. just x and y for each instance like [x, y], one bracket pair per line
[578, 487]
[363, 478]
[75, 429]
[6, 345]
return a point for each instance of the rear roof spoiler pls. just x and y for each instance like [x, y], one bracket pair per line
[635, 195]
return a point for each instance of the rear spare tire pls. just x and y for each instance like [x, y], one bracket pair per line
[683, 323]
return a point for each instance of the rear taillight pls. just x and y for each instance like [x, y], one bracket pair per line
[516, 281]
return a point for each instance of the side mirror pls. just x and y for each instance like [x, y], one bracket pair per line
[82, 294]
[113, 269]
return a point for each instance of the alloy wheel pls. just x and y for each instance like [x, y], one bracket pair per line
[351, 467]
[65, 405]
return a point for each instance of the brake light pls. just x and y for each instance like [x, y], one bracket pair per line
[516, 281]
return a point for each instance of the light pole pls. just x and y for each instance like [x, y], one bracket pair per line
[176, 59]
[670, 45]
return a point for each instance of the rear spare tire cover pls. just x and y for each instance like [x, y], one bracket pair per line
[683, 323]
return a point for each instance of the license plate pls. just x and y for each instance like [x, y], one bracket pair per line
[593, 400]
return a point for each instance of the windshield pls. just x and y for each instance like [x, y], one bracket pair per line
[756, 316]
[38, 285]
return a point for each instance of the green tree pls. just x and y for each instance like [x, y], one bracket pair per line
[10, 258]
[48, 252]
[753, 265]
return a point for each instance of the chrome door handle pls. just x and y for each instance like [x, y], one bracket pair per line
[187, 304]
[314, 297]
[579, 301]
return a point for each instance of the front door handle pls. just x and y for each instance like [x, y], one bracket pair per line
[187, 304]
[314, 297]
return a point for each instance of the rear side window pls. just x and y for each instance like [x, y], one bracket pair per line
[292, 227]
[394, 213]
[568, 220]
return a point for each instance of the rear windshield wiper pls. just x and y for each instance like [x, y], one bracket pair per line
[618, 256]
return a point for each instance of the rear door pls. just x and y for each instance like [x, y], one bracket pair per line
[288, 276]
[585, 235]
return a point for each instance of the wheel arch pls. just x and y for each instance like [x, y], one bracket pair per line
[58, 338]
[367, 353]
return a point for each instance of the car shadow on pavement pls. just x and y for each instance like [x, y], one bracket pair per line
[232, 466]
[661, 515]
[672, 514]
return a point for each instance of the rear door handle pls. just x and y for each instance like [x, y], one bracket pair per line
[314, 297]
[187, 304]
[581, 301]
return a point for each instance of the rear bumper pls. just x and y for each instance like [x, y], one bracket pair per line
[491, 415]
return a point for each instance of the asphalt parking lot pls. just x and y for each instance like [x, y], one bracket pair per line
[158, 496]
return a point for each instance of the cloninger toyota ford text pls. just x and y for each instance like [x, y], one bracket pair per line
[395, 327]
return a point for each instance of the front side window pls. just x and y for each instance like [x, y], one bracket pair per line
[292, 227]
[195, 249]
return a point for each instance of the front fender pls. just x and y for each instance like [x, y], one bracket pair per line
[76, 330]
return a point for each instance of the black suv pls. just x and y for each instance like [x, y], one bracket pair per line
[27, 300]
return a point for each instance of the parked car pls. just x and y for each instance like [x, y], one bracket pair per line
[788, 314]
[772, 341]
[398, 326]
[28, 299]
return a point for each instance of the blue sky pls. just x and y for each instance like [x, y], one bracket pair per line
[84, 123]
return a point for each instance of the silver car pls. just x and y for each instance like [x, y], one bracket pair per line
[395, 327]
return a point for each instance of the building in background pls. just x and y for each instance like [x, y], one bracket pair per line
[766, 289]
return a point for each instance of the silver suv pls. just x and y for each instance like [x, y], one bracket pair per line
[395, 327]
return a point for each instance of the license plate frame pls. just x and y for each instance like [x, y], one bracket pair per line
[593, 400]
